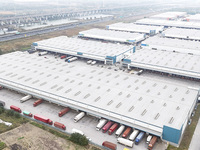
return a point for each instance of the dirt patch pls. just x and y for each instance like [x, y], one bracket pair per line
[29, 137]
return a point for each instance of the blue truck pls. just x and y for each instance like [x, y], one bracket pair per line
[139, 138]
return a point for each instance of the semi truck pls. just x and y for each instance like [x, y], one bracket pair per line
[60, 125]
[119, 131]
[93, 62]
[68, 58]
[125, 142]
[79, 116]
[126, 132]
[152, 142]
[63, 111]
[113, 128]
[63, 56]
[72, 59]
[15, 108]
[43, 119]
[39, 101]
[107, 126]
[26, 113]
[109, 145]
[149, 137]
[133, 135]
[77, 131]
[101, 123]
[139, 138]
[42, 53]
[25, 98]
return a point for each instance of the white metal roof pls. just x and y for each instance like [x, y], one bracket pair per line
[131, 27]
[88, 49]
[169, 23]
[169, 44]
[165, 61]
[191, 34]
[96, 16]
[169, 15]
[143, 102]
[113, 35]
[192, 18]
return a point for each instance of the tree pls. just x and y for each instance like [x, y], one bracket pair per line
[79, 139]
[1, 52]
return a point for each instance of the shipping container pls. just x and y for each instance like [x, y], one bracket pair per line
[42, 53]
[126, 132]
[39, 101]
[79, 116]
[25, 98]
[68, 58]
[2, 103]
[63, 56]
[125, 142]
[152, 142]
[109, 145]
[107, 126]
[72, 59]
[133, 135]
[63, 111]
[15, 108]
[60, 125]
[149, 137]
[26, 113]
[120, 130]
[77, 131]
[43, 119]
[139, 138]
[113, 128]
[101, 123]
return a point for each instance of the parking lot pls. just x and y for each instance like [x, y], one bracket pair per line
[86, 125]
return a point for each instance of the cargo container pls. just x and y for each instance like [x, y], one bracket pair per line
[68, 58]
[63, 111]
[77, 131]
[107, 126]
[152, 142]
[60, 125]
[39, 101]
[120, 130]
[42, 53]
[72, 59]
[89, 61]
[26, 113]
[126, 132]
[15, 108]
[149, 137]
[63, 56]
[2, 103]
[101, 123]
[79, 116]
[109, 145]
[125, 142]
[93, 63]
[139, 138]
[133, 135]
[43, 119]
[113, 128]
[25, 98]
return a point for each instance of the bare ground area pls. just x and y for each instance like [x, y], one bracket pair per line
[29, 137]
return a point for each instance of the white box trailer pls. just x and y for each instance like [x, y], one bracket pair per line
[133, 135]
[101, 123]
[79, 116]
[77, 131]
[42, 53]
[72, 59]
[119, 131]
[125, 142]
[25, 98]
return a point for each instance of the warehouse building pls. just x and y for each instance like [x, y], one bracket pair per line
[95, 50]
[153, 106]
[180, 33]
[172, 63]
[131, 27]
[193, 18]
[169, 15]
[169, 23]
[173, 45]
[114, 36]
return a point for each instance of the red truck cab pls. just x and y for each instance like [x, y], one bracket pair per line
[15, 108]
[60, 125]
[43, 119]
